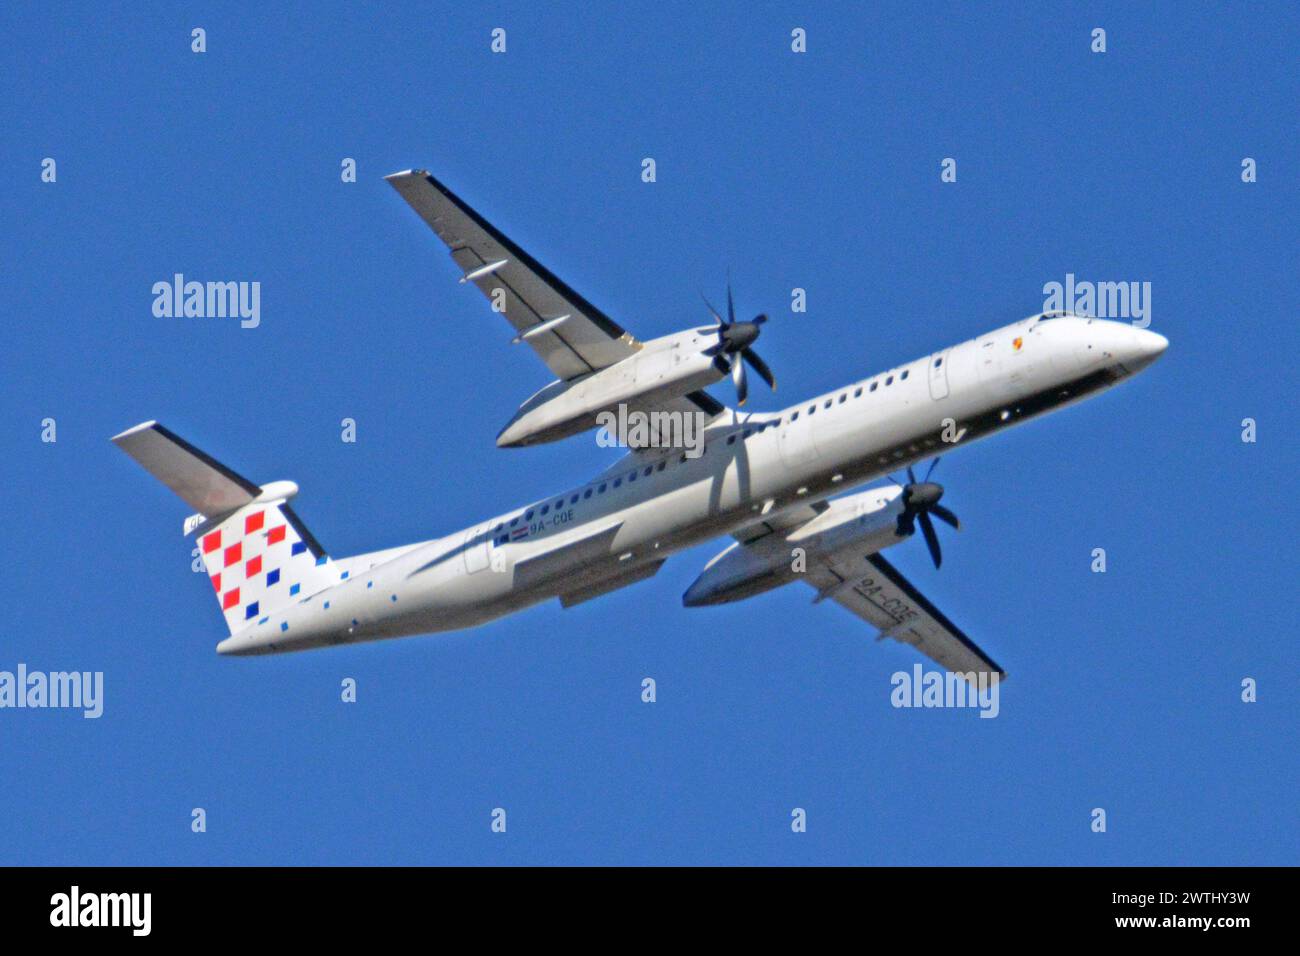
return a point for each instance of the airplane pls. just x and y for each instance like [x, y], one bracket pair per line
[773, 481]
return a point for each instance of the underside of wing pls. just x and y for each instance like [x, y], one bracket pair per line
[875, 591]
[572, 336]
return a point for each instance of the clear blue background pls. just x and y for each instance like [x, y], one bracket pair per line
[819, 171]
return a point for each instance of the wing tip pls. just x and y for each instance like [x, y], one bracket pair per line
[133, 430]
[407, 174]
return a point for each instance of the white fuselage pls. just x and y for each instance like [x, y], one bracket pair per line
[619, 527]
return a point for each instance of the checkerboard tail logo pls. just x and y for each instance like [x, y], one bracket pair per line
[258, 554]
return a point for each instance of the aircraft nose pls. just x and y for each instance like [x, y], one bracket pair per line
[1151, 344]
[1143, 348]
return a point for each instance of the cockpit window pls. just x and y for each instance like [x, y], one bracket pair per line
[1059, 314]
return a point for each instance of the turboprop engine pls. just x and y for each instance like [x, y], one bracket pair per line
[864, 523]
[661, 369]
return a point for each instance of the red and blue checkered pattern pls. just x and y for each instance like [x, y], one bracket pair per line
[258, 564]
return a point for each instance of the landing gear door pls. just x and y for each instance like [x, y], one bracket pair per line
[939, 375]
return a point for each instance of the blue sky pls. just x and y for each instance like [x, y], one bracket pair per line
[819, 171]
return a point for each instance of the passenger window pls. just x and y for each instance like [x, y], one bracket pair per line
[873, 386]
[514, 521]
[794, 416]
[632, 476]
[573, 500]
[662, 465]
[648, 469]
[904, 375]
[618, 482]
[857, 392]
[601, 489]
[827, 404]
[529, 515]
[890, 380]
[812, 409]
[586, 494]
[731, 439]
[559, 504]
[545, 508]
[498, 528]
[938, 362]
[843, 396]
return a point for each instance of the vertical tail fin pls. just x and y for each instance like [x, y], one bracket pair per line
[258, 554]
[261, 559]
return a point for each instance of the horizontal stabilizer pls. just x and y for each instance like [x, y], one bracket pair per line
[202, 482]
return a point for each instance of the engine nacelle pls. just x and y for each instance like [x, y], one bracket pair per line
[662, 369]
[866, 522]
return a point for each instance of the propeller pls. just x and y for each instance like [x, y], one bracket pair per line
[920, 500]
[732, 352]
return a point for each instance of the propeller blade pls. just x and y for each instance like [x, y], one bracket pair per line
[931, 539]
[911, 476]
[933, 463]
[759, 366]
[738, 377]
[943, 514]
[731, 307]
[712, 311]
[760, 318]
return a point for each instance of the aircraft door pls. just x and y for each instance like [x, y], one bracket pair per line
[476, 550]
[939, 375]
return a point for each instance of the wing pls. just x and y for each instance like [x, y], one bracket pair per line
[584, 340]
[873, 589]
